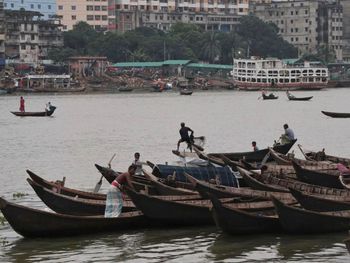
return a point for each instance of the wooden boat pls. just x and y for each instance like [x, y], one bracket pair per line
[169, 212]
[164, 189]
[297, 185]
[125, 89]
[224, 175]
[291, 97]
[64, 190]
[234, 221]
[35, 114]
[71, 205]
[256, 156]
[325, 178]
[186, 92]
[336, 114]
[246, 194]
[319, 203]
[30, 222]
[269, 97]
[257, 185]
[300, 221]
[322, 156]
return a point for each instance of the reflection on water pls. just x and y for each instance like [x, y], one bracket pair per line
[88, 129]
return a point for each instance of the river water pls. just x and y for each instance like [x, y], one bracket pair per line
[88, 129]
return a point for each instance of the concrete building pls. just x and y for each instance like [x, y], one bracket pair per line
[307, 24]
[28, 38]
[82, 67]
[46, 7]
[2, 35]
[95, 13]
[222, 15]
[346, 29]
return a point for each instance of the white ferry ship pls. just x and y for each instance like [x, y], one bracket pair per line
[256, 74]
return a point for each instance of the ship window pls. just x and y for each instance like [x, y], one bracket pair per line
[264, 80]
[311, 79]
[324, 79]
[258, 80]
[292, 80]
[318, 72]
[318, 79]
[305, 72]
[286, 81]
[253, 80]
[239, 78]
[311, 72]
[243, 79]
[281, 80]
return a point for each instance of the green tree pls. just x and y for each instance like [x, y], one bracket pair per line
[211, 47]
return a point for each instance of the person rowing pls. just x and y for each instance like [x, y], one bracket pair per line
[137, 162]
[185, 137]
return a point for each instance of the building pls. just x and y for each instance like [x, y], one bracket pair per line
[221, 15]
[346, 29]
[28, 38]
[95, 13]
[2, 35]
[45, 7]
[81, 67]
[309, 25]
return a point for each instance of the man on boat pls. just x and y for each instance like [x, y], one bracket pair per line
[48, 106]
[255, 148]
[114, 199]
[288, 135]
[138, 164]
[289, 95]
[185, 137]
[21, 105]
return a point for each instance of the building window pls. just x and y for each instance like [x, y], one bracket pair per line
[32, 37]
[39, 6]
[60, 7]
[155, 7]
[296, 30]
[104, 8]
[97, 17]
[126, 7]
[23, 47]
[74, 7]
[306, 29]
[306, 12]
[291, 30]
[89, 8]
[12, 6]
[104, 18]
[74, 17]
[31, 6]
[291, 21]
[291, 13]
[97, 8]
[89, 17]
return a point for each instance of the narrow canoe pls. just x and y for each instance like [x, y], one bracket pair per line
[234, 221]
[35, 114]
[336, 114]
[269, 97]
[186, 92]
[300, 98]
[300, 221]
[30, 222]
[256, 156]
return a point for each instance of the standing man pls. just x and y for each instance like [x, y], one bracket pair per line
[288, 135]
[21, 105]
[255, 148]
[185, 137]
[138, 164]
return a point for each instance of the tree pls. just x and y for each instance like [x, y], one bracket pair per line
[211, 47]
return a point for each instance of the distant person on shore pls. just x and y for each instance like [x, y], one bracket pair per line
[114, 199]
[288, 135]
[21, 105]
[185, 137]
[255, 148]
[138, 164]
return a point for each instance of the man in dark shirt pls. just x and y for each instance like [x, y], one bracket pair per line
[185, 137]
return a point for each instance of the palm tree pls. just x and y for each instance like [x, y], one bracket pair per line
[211, 47]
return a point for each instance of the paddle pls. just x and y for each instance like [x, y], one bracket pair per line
[99, 183]
[265, 158]
[306, 157]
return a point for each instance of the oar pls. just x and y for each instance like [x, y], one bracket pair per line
[306, 157]
[99, 183]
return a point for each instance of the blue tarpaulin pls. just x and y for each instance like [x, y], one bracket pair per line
[206, 173]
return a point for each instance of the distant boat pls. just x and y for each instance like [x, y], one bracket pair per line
[125, 89]
[35, 114]
[186, 92]
[291, 97]
[269, 97]
[336, 114]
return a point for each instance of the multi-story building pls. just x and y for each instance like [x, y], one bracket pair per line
[2, 35]
[222, 15]
[307, 24]
[28, 38]
[46, 7]
[346, 29]
[93, 12]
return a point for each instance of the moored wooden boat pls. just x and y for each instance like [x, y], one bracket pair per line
[325, 178]
[336, 114]
[71, 205]
[319, 203]
[291, 97]
[35, 114]
[170, 212]
[30, 222]
[234, 221]
[347, 243]
[300, 221]
[164, 189]
[322, 156]
[256, 156]
[64, 190]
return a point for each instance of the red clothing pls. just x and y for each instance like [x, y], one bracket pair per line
[21, 105]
